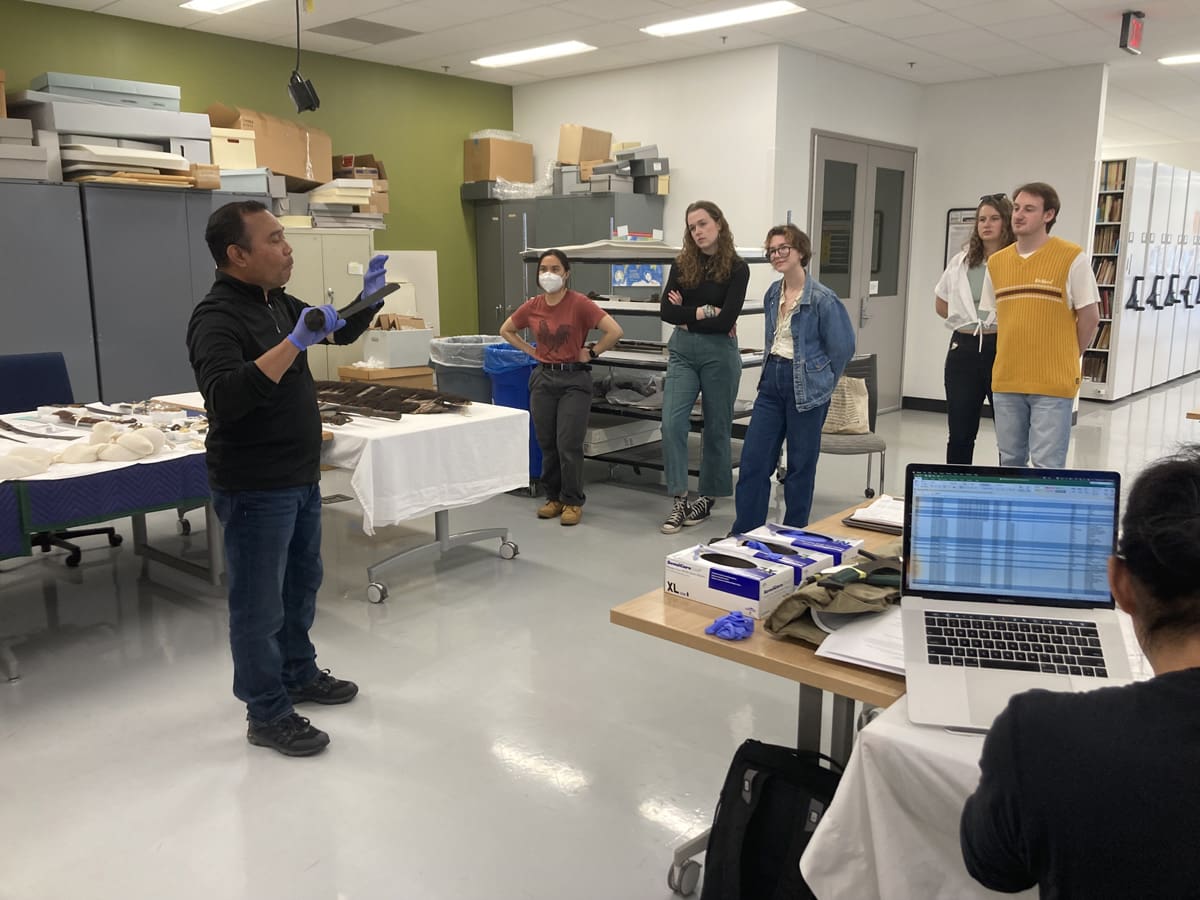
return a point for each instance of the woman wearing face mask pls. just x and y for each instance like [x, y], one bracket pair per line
[973, 345]
[560, 388]
[809, 340]
[702, 298]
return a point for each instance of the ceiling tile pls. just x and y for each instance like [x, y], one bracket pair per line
[968, 44]
[807, 23]
[876, 12]
[154, 11]
[613, 10]
[76, 4]
[1038, 26]
[247, 31]
[1016, 65]
[1008, 10]
[917, 26]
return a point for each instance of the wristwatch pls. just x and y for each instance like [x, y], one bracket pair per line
[592, 352]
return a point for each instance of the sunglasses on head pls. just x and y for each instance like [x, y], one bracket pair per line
[990, 197]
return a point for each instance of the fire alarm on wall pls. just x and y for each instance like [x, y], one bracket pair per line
[1131, 32]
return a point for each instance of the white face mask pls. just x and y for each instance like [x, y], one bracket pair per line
[551, 282]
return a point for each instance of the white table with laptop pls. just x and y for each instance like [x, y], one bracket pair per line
[976, 539]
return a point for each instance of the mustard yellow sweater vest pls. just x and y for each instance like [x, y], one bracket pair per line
[1037, 349]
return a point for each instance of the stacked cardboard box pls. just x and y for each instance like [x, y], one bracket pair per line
[18, 157]
[366, 166]
[490, 159]
[299, 153]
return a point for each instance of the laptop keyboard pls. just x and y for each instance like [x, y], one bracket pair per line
[1055, 646]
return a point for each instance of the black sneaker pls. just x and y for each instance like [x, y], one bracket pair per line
[324, 689]
[698, 511]
[293, 735]
[674, 520]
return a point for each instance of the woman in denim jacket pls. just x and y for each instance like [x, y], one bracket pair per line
[809, 340]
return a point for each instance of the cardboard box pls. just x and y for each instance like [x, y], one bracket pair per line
[755, 588]
[379, 204]
[652, 184]
[616, 184]
[397, 349]
[17, 161]
[645, 151]
[587, 168]
[624, 145]
[346, 161]
[301, 154]
[208, 177]
[233, 148]
[16, 131]
[412, 376]
[120, 91]
[843, 550]
[659, 165]
[246, 181]
[396, 321]
[192, 151]
[577, 143]
[802, 562]
[487, 159]
[78, 117]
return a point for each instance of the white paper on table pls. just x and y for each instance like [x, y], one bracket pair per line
[876, 641]
[886, 510]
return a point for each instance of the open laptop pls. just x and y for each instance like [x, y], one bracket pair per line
[1005, 588]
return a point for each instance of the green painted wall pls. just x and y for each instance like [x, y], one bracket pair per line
[414, 121]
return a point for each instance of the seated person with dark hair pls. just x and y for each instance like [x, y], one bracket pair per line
[1097, 795]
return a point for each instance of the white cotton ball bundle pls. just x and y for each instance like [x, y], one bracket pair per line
[117, 453]
[103, 432]
[137, 443]
[156, 437]
[39, 455]
[18, 467]
[81, 452]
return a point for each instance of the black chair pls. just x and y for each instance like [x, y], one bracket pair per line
[852, 444]
[30, 380]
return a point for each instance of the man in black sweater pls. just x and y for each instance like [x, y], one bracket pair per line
[1096, 794]
[247, 341]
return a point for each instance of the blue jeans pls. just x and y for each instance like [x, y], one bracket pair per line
[273, 563]
[708, 365]
[1033, 429]
[775, 417]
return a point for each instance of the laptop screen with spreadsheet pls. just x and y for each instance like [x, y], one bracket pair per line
[1010, 535]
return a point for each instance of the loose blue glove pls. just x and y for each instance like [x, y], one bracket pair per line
[303, 337]
[375, 276]
[736, 626]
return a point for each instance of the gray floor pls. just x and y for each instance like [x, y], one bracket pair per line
[508, 741]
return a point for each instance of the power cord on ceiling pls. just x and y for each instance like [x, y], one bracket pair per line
[304, 95]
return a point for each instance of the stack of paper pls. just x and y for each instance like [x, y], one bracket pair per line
[874, 640]
[885, 514]
[350, 191]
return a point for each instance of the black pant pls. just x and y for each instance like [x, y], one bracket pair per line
[560, 402]
[968, 381]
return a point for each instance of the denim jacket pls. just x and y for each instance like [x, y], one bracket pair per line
[822, 340]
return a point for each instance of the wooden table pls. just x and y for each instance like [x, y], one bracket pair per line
[683, 622]
[1193, 414]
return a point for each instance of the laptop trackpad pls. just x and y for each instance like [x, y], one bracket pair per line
[988, 692]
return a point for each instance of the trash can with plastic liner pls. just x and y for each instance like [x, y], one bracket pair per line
[509, 370]
[458, 365]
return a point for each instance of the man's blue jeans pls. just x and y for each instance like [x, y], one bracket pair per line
[1033, 429]
[273, 563]
[775, 417]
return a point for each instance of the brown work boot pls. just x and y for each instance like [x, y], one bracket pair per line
[550, 509]
[571, 515]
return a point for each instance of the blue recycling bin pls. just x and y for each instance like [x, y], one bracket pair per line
[509, 370]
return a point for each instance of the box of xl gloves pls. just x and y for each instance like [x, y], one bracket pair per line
[843, 550]
[802, 562]
[729, 581]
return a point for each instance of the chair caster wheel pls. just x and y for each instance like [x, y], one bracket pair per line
[376, 592]
[869, 493]
[508, 550]
[72, 561]
[114, 540]
[682, 879]
[183, 526]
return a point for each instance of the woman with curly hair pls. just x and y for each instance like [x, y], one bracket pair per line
[702, 298]
[972, 350]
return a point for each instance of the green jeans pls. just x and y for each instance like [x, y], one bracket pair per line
[710, 366]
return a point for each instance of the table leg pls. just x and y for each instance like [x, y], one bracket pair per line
[842, 739]
[808, 719]
[216, 563]
[442, 542]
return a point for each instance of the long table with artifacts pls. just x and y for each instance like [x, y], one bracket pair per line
[66, 466]
[412, 452]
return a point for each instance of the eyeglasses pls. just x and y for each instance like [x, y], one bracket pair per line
[782, 250]
[989, 197]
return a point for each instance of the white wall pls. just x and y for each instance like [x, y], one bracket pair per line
[714, 117]
[982, 137]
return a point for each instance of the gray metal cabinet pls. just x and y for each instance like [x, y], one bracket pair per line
[44, 278]
[200, 205]
[501, 227]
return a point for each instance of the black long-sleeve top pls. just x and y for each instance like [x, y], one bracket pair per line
[728, 296]
[261, 435]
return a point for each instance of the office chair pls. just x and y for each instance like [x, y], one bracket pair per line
[30, 380]
[851, 444]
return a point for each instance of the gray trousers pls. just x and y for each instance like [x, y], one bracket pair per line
[560, 403]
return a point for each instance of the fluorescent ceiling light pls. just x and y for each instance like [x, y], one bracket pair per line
[218, 6]
[739, 16]
[534, 54]
[1180, 60]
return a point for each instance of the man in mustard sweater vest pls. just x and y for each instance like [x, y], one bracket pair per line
[1046, 303]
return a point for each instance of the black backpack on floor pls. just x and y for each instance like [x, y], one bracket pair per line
[770, 805]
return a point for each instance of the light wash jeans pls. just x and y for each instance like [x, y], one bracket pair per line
[1033, 429]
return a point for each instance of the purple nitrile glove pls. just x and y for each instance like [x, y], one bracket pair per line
[303, 337]
[734, 627]
[376, 276]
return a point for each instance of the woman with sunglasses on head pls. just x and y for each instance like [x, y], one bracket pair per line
[809, 340]
[560, 387]
[968, 376]
[702, 298]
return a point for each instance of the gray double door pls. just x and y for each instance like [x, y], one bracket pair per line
[860, 229]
